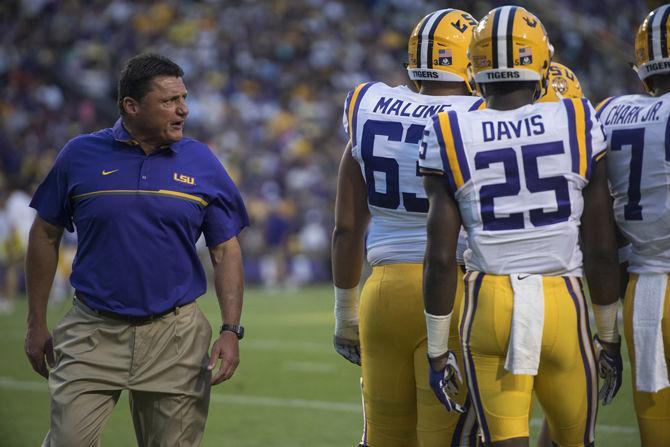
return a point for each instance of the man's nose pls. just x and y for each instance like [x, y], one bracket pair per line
[182, 108]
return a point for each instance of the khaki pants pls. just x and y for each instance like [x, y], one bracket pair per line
[162, 363]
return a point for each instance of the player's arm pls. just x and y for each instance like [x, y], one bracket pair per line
[41, 262]
[601, 266]
[624, 254]
[439, 265]
[229, 284]
[600, 245]
[348, 247]
[351, 222]
[439, 289]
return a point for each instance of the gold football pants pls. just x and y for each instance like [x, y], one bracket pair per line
[653, 409]
[400, 408]
[566, 383]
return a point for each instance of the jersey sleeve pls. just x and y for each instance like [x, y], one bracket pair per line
[430, 153]
[225, 216]
[586, 136]
[598, 139]
[345, 112]
[602, 104]
[441, 150]
[351, 106]
[52, 197]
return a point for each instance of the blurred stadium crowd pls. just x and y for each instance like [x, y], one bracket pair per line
[266, 82]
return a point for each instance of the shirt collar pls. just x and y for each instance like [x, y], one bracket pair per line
[121, 134]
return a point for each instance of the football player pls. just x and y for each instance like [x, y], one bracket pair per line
[561, 83]
[523, 179]
[380, 193]
[638, 166]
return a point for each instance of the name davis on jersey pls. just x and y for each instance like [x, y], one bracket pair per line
[498, 130]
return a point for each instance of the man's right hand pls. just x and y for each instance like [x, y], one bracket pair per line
[445, 380]
[610, 368]
[346, 340]
[39, 349]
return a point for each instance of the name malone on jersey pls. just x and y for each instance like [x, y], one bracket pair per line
[498, 130]
[398, 107]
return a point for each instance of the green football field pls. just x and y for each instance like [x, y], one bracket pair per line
[291, 389]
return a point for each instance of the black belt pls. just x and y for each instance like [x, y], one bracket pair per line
[130, 319]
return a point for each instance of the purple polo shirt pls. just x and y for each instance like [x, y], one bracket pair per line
[138, 218]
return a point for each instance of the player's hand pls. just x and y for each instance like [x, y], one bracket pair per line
[346, 340]
[226, 348]
[39, 349]
[610, 369]
[445, 380]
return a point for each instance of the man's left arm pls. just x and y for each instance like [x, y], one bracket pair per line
[599, 246]
[229, 284]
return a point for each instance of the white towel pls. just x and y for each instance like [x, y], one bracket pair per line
[525, 338]
[651, 369]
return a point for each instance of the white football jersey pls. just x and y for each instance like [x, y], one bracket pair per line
[517, 176]
[638, 168]
[386, 125]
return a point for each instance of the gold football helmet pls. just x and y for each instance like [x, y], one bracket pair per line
[561, 83]
[651, 45]
[510, 44]
[438, 47]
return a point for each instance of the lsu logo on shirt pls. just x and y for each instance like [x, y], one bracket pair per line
[181, 178]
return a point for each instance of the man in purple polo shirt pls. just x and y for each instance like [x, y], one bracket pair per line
[139, 195]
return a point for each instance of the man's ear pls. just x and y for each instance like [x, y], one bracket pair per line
[130, 105]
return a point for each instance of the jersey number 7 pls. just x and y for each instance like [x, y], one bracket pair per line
[635, 139]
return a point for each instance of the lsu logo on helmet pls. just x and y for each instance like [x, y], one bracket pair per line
[651, 45]
[510, 44]
[561, 83]
[438, 45]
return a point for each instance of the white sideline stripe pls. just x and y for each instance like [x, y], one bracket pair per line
[24, 385]
[277, 345]
[309, 367]
[283, 403]
[259, 401]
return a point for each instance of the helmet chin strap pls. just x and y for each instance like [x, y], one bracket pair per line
[647, 87]
[645, 82]
[544, 82]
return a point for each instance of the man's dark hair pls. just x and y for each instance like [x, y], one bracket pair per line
[137, 73]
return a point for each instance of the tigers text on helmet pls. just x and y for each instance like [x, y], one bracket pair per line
[561, 83]
[510, 44]
[651, 45]
[438, 47]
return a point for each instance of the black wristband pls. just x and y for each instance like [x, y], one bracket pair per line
[234, 328]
